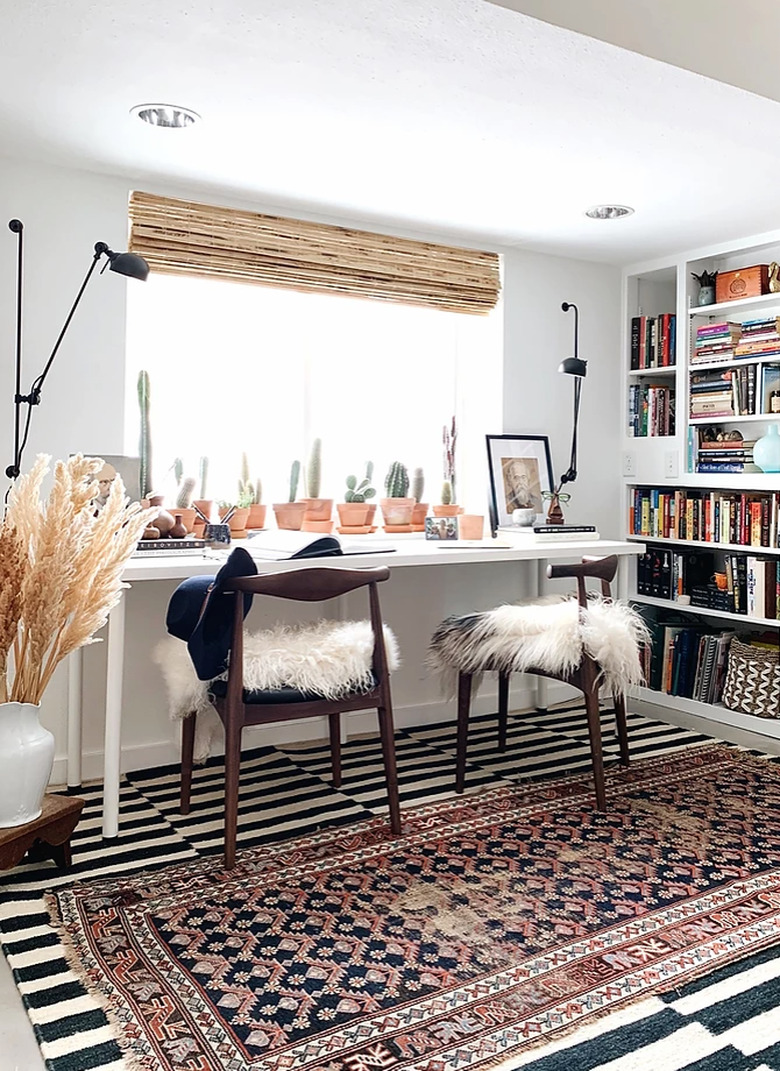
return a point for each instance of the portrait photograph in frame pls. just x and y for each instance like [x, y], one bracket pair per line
[520, 470]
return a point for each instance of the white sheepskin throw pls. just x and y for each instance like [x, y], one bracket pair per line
[329, 658]
[548, 634]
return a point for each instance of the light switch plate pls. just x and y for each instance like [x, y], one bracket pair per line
[629, 463]
[671, 464]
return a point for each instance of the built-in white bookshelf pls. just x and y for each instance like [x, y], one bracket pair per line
[668, 463]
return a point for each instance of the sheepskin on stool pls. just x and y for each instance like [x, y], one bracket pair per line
[547, 634]
[328, 658]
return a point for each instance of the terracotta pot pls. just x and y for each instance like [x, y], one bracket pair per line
[397, 512]
[371, 507]
[156, 500]
[179, 530]
[471, 526]
[352, 514]
[257, 512]
[289, 515]
[237, 522]
[318, 509]
[447, 511]
[419, 513]
[205, 505]
[188, 517]
[325, 527]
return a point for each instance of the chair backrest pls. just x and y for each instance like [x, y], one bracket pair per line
[305, 585]
[602, 569]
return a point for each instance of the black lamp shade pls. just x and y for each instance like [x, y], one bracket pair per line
[129, 264]
[573, 366]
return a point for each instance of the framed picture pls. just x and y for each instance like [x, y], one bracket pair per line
[441, 527]
[129, 468]
[520, 472]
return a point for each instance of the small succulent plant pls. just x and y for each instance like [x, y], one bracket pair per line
[314, 470]
[446, 493]
[397, 481]
[185, 492]
[295, 475]
[418, 484]
[360, 490]
[706, 278]
[203, 475]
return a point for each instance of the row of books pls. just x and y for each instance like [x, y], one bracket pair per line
[725, 455]
[650, 410]
[728, 583]
[748, 519]
[687, 660]
[653, 341]
[734, 341]
[726, 392]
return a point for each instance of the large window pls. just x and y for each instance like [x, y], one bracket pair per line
[238, 367]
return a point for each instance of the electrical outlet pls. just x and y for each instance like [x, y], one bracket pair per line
[671, 464]
[629, 463]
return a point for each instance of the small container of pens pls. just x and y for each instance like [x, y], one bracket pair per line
[216, 535]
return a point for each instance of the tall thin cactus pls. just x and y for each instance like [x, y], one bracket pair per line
[203, 474]
[178, 470]
[314, 470]
[295, 474]
[449, 439]
[145, 437]
[257, 487]
[418, 485]
[185, 492]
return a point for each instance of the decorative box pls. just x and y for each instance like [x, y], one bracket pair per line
[746, 282]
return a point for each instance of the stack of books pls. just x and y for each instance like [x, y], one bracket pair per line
[716, 342]
[727, 455]
[759, 338]
[745, 393]
[650, 410]
[712, 394]
[653, 341]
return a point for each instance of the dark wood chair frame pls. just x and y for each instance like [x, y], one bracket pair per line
[302, 585]
[584, 677]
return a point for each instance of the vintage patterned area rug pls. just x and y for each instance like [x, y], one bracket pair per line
[496, 922]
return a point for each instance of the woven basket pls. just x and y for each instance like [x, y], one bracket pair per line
[753, 681]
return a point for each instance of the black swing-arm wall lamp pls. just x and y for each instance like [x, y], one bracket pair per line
[128, 264]
[571, 366]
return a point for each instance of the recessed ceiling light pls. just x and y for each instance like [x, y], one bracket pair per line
[609, 211]
[170, 116]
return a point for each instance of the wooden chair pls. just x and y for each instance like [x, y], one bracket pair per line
[584, 677]
[238, 707]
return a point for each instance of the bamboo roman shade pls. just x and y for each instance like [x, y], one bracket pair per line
[186, 238]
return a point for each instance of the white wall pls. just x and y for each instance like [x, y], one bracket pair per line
[65, 212]
[538, 400]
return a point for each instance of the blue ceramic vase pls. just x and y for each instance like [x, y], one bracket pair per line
[766, 452]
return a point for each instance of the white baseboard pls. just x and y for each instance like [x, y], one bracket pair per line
[166, 752]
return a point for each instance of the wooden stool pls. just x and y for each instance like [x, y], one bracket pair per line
[49, 833]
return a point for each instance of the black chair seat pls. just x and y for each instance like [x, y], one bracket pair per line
[257, 696]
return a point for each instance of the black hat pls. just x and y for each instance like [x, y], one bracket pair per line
[201, 613]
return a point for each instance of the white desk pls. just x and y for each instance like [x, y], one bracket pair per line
[410, 551]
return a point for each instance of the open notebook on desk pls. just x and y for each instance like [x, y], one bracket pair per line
[279, 545]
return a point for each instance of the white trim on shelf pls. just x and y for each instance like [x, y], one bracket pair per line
[741, 547]
[668, 604]
[712, 712]
[771, 358]
[759, 301]
[725, 481]
[733, 419]
[665, 370]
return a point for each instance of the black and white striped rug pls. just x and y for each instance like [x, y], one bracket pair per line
[729, 1020]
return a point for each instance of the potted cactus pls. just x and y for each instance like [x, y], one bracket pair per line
[289, 514]
[204, 504]
[420, 511]
[251, 491]
[319, 511]
[448, 507]
[183, 500]
[354, 510]
[397, 506]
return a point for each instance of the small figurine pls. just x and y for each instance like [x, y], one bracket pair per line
[774, 277]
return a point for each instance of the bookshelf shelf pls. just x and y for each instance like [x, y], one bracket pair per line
[668, 604]
[664, 465]
[740, 548]
[714, 712]
[751, 305]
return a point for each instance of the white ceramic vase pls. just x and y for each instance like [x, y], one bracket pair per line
[26, 760]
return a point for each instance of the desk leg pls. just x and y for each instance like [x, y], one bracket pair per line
[541, 682]
[622, 577]
[74, 719]
[112, 748]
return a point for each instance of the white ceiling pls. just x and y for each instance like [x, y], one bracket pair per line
[449, 115]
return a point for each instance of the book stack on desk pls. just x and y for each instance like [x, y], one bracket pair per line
[556, 533]
[169, 547]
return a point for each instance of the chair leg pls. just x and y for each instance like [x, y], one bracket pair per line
[503, 708]
[622, 728]
[464, 707]
[232, 763]
[385, 715]
[334, 726]
[591, 694]
[187, 745]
